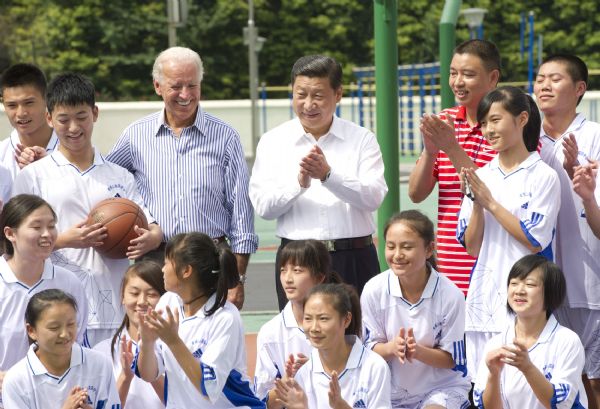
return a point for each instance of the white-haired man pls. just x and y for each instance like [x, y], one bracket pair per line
[190, 166]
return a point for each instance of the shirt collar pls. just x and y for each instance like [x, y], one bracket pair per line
[354, 360]
[61, 160]
[9, 276]
[336, 129]
[531, 159]
[547, 332]
[575, 126]
[428, 291]
[52, 143]
[38, 368]
[461, 113]
[289, 320]
[198, 123]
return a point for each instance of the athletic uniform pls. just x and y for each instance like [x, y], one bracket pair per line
[73, 194]
[5, 185]
[14, 296]
[364, 383]
[531, 192]
[558, 354]
[29, 385]
[577, 248]
[276, 341]
[8, 148]
[217, 342]
[141, 394]
[437, 321]
[453, 260]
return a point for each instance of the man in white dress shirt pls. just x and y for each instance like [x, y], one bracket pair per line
[321, 177]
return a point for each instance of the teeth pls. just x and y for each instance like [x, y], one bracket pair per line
[184, 103]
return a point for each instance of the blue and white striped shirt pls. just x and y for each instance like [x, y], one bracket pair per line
[195, 182]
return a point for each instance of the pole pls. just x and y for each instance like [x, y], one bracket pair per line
[171, 24]
[531, 44]
[253, 74]
[386, 74]
[447, 29]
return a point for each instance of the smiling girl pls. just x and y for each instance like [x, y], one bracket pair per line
[28, 235]
[414, 319]
[534, 362]
[342, 373]
[511, 213]
[281, 343]
[142, 287]
[57, 372]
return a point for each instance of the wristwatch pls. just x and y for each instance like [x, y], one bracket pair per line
[242, 279]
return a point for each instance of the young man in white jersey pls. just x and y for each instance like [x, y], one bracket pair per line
[23, 88]
[73, 179]
[568, 139]
[453, 140]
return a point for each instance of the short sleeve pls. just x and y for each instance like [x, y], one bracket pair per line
[464, 215]
[379, 397]
[266, 370]
[539, 221]
[373, 327]
[452, 339]
[566, 375]
[111, 395]
[14, 395]
[483, 372]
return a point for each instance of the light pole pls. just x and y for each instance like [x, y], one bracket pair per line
[474, 17]
[254, 43]
[177, 13]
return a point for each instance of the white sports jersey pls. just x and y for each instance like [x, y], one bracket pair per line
[532, 194]
[141, 394]
[217, 341]
[437, 320]
[28, 385]
[577, 248]
[5, 185]
[72, 194]
[558, 354]
[14, 297]
[7, 151]
[365, 383]
[276, 340]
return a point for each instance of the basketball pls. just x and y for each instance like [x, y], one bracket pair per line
[119, 216]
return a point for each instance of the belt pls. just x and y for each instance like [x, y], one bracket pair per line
[341, 244]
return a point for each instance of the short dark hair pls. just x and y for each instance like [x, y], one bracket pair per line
[19, 75]
[344, 299]
[70, 89]
[44, 299]
[576, 67]
[318, 66]
[485, 50]
[14, 212]
[555, 286]
[419, 223]
[515, 101]
[313, 255]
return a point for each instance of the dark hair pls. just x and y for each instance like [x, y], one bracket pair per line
[344, 299]
[214, 268]
[515, 101]
[44, 299]
[313, 255]
[15, 211]
[485, 50]
[576, 67]
[318, 66]
[151, 273]
[555, 286]
[70, 89]
[420, 224]
[20, 75]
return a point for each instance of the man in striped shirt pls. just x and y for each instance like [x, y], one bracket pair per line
[189, 166]
[453, 140]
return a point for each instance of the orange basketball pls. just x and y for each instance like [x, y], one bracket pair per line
[119, 216]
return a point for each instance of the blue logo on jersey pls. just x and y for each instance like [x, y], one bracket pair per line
[547, 371]
[525, 205]
[117, 195]
[525, 194]
[116, 186]
[197, 353]
[359, 404]
[582, 214]
[208, 374]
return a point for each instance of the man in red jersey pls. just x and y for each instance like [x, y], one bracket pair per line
[453, 140]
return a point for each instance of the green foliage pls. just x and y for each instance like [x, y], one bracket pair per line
[115, 42]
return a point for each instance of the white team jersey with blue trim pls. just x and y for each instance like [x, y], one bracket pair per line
[14, 297]
[217, 342]
[72, 194]
[141, 394]
[558, 354]
[437, 321]
[28, 385]
[276, 340]
[532, 194]
[577, 249]
[365, 383]
[7, 151]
